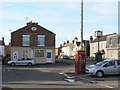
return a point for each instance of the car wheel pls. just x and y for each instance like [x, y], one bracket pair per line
[12, 64]
[29, 64]
[99, 74]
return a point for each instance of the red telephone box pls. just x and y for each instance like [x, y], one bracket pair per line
[80, 62]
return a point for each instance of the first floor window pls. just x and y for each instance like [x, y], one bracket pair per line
[39, 53]
[41, 40]
[26, 40]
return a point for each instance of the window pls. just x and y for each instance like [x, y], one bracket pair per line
[110, 42]
[41, 40]
[26, 53]
[118, 62]
[93, 46]
[118, 40]
[111, 63]
[102, 45]
[39, 53]
[26, 40]
[111, 54]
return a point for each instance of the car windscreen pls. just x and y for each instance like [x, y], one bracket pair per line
[101, 63]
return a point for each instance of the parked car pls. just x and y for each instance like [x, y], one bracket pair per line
[63, 57]
[22, 61]
[106, 67]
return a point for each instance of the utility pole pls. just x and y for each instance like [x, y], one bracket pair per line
[81, 24]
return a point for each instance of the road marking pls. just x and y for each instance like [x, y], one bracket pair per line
[106, 86]
[97, 83]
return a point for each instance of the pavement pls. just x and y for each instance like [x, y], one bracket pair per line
[58, 75]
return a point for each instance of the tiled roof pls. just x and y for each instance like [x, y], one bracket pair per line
[103, 38]
[68, 44]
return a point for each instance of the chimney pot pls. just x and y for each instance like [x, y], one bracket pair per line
[2, 38]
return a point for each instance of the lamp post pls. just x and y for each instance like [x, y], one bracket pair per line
[98, 55]
[98, 34]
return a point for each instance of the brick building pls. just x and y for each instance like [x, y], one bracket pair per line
[33, 41]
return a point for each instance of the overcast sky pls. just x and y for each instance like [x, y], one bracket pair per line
[62, 18]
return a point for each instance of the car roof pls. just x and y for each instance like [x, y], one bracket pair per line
[110, 59]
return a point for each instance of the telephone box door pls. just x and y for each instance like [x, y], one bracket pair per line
[80, 62]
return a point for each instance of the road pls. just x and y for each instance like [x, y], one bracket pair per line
[53, 76]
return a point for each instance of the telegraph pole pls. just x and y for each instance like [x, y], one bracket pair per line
[81, 24]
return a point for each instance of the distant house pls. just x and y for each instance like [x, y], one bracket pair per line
[58, 50]
[113, 46]
[77, 46]
[102, 45]
[7, 50]
[2, 47]
[67, 49]
[33, 41]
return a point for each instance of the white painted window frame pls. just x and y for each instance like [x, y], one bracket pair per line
[44, 39]
[22, 40]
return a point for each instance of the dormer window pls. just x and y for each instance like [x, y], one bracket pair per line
[26, 40]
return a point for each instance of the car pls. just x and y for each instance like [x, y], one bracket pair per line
[22, 61]
[106, 67]
[63, 57]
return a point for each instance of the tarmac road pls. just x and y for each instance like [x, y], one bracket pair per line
[58, 75]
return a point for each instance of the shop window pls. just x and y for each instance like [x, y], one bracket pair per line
[26, 53]
[39, 53]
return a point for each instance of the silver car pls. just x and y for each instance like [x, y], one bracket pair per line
[106, 67]
[22, 61]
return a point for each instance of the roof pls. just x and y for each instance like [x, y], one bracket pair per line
[68, 44]
[103, 38]
[35, 25]
[2, 43]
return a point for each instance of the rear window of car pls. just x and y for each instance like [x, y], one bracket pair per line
[118, 62]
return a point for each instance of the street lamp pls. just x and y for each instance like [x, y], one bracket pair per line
[98, 34]
[98, 55]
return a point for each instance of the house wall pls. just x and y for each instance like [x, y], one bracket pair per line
[114, 47]
[2, 50]
[94, 48]
[16, 37]
[113, 54]
[68, 50]
[32, 53]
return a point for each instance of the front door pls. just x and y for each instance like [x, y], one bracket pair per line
[15, 55]
[49, 56]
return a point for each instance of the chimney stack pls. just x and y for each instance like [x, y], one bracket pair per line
[64, 43]
[3, 39]
[68, 41]
[60, 45]
[91, 39]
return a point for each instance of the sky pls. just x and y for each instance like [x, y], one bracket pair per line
[61, 17]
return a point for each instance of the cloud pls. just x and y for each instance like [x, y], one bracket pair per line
[105, 9]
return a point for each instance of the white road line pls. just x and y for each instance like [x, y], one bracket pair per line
[106, 86]
[98, 83]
